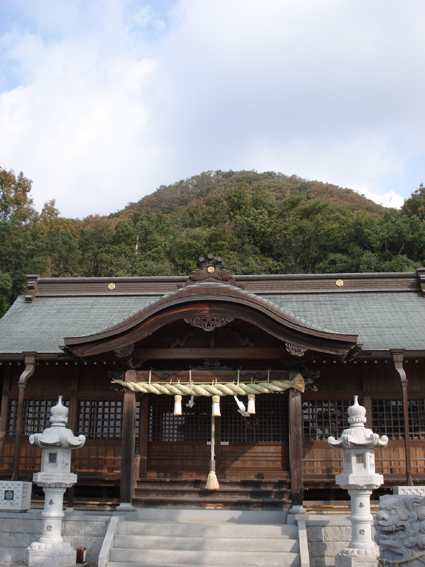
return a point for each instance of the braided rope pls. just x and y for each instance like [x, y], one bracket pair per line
[384, 562]
[216, 389]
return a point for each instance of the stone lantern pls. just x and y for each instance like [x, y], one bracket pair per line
[55, 477]
[359, 478]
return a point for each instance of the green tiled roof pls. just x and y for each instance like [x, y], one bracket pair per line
[382, 320]
[42, 325]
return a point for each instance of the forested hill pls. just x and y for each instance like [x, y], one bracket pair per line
[259, 223]
[169, 197]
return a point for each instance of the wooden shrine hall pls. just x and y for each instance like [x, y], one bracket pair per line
[173, 379]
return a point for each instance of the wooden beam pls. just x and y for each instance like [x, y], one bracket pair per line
[72, 424]
[296, 446]
[206, 376]
[143, 433]
[202, 353]
[4, 405]
[127, 447]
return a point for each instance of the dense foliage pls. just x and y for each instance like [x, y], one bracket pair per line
[259, 223]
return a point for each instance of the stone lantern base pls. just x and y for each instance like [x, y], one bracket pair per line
[51, 555]
[349, 557]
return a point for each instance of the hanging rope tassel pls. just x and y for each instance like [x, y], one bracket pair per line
[177, 405]
[251, 404]
[216, 406]
[212, 482]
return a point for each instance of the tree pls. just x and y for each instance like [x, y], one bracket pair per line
[19, 248]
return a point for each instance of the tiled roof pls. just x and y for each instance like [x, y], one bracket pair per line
[42, 325]
[382, 319]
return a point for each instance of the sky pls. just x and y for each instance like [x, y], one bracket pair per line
[103, 101]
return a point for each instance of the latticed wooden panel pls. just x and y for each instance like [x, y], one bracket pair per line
[268, 425]
[35, 415]
[102, 419]
[323, 418]
[194, 425]
[388, 418]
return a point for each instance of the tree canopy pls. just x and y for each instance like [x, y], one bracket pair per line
[259, 223]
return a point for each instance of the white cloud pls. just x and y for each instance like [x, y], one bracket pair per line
[390, 199]
[104, 101]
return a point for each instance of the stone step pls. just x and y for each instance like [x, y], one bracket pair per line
[213, 516]
[205, 543]
[201, 557]
[223, 530]
[125, 564]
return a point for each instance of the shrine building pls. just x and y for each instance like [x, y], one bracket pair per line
[174, 378]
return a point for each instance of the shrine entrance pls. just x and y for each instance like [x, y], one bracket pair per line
[245, 447]
[212, 334]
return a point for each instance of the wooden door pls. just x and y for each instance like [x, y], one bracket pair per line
[179, 446]
[255, 445]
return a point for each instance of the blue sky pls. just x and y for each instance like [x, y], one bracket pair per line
[103, 101]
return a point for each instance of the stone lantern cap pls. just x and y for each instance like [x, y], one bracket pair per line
[358, 435]
[58, 435]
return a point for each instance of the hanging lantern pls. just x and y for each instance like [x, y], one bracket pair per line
[216, 406]
[251, 404]
[177, 405]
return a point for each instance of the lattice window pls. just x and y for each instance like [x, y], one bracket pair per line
[35, 415]
[323, 418]
[269, 424]
[102, 419]
[194, 425]
[388, 418]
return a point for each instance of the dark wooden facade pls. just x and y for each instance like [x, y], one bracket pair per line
[283, 446]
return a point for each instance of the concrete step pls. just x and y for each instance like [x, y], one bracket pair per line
[201, 557]
[205, 543]
[206, 538]
[212, 516]
[125, 564]
[224, 530]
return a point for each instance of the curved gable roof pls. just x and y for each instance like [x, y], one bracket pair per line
[213, 298]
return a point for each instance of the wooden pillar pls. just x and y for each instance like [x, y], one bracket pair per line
[296, 446]
[72, 424]
[143, 433]
[398, 356]
[128, 444]
[367, 401]
[4, 405]
[29, 359]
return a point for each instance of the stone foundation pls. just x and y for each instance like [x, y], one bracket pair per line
[327, 536]
[19, 530]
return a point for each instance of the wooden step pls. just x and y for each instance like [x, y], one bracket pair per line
[247, 494]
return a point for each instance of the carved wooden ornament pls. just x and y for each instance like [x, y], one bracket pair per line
[211, 271]
[208, 323]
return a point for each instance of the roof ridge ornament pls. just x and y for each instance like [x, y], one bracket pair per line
[211, 270]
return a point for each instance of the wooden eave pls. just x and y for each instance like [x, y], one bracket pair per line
[261, 284]
[212, 299]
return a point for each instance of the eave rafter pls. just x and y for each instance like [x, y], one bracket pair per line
[213, 300]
